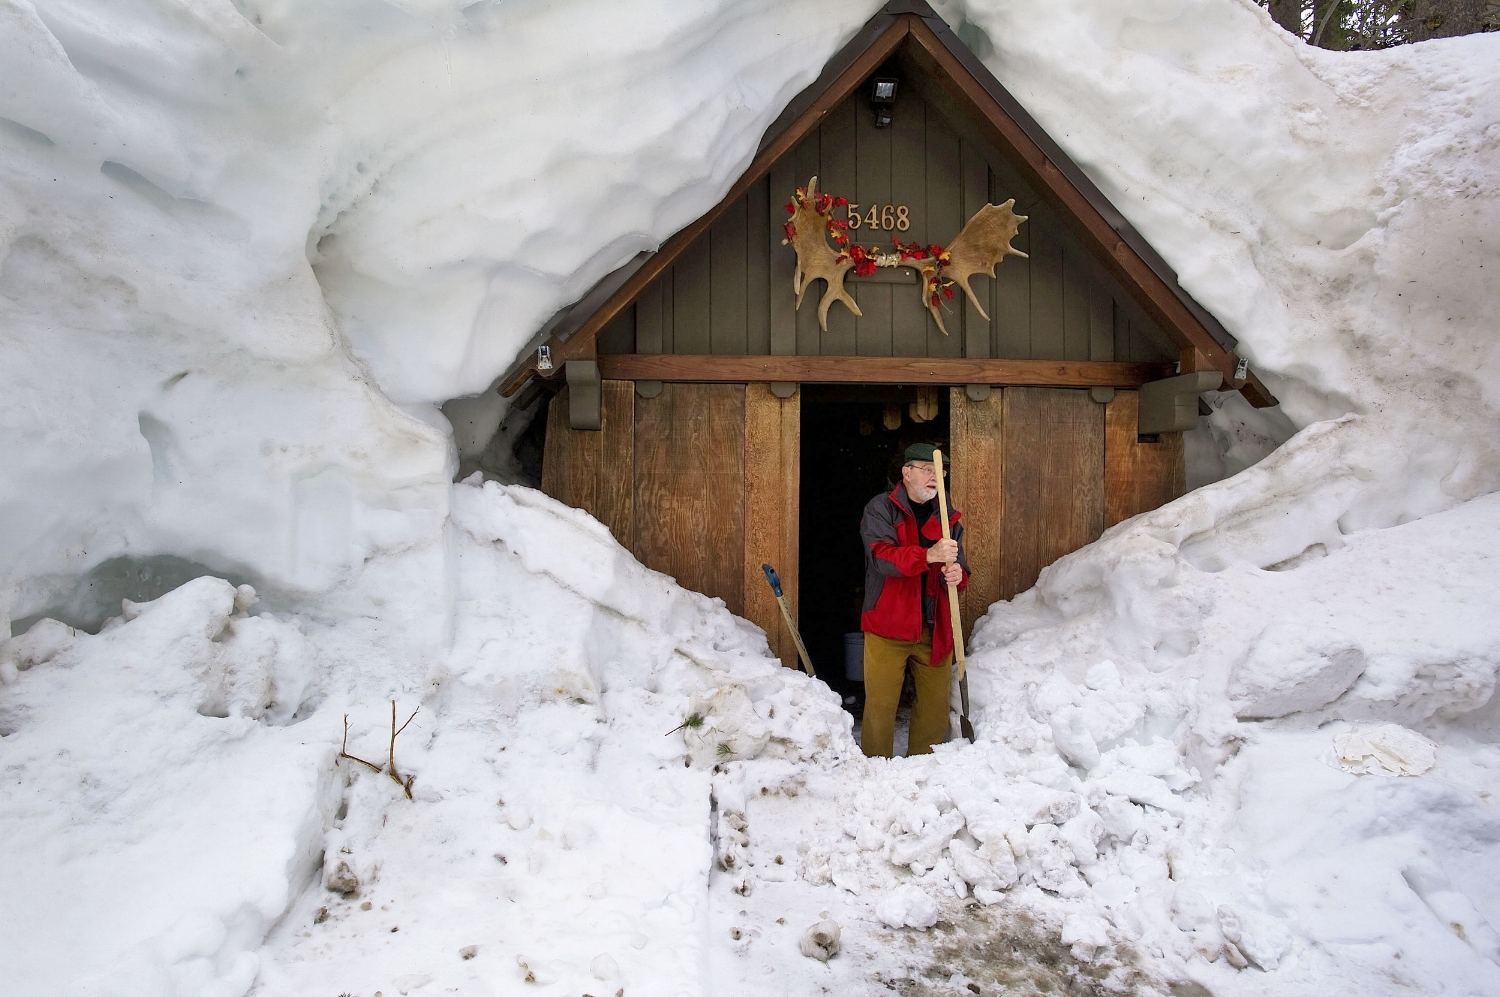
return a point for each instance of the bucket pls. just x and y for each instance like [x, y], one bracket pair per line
[854, 657]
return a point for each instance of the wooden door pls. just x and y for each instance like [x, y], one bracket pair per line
[592, 470]
[977, 459]
[690, 487]
[773, 475]
[1138, 476]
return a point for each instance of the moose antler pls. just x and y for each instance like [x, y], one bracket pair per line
[812, 218]
[983, 243]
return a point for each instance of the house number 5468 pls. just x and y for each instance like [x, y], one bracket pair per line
[881, 216]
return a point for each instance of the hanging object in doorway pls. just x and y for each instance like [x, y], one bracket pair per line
[925, 408]
[891, 417]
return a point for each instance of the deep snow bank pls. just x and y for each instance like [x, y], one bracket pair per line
[172, 784]
[157, 811]
[1124, 821]
[1334, 210]
[231, 234]
[175, 381]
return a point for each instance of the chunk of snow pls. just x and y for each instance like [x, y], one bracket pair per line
[907, 906]
[1388, 749]
[1293, 668]
[821, 941]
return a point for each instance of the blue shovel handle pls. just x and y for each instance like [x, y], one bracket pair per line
[773, 578]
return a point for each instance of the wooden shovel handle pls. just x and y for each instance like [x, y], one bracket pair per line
[958, 627]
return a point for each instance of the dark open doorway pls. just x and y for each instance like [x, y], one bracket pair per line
[849, 455]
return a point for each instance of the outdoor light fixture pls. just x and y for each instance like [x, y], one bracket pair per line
[883, 96]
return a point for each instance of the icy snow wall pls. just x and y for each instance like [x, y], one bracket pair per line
[247, 248]
[245, 255]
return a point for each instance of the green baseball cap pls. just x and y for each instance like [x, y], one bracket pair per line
[920, 451]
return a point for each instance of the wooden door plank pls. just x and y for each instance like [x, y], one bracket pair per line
[615, 470]
[1138, 477]
[591, 470]
[1073, 473]
[689, 487]
[758, 268]
[1022, 473]
[584, 455]
[976, 445]
[555, 449]
[772, 496]
[724, 522]
[728, 273]
[1054, 480]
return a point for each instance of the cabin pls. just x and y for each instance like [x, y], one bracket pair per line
[714, 425]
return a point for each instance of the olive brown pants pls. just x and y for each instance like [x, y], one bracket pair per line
[885, 668]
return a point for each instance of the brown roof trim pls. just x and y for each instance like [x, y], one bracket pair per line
[1008, 125]
[859, 58]
[1126, 253]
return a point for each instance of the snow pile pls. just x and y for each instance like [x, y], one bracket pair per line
[161, 801]
[1123, 798]
[560, 831]
[246, 249]
[1334, 210]
[572, 825]
[233, 234]
[1171, 665]
[172, 784]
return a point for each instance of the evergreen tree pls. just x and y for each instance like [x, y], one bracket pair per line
[1347, 25]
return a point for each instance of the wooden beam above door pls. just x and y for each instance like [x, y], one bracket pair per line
[879, 370]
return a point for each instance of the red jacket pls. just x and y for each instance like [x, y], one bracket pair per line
[898, 579]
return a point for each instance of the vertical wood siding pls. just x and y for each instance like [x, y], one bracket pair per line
[976, 448]
[1138, 476]
[690, 487]
[702, 483]
[1053, 480]
[585, 469]
[773, 432]
[730, 293]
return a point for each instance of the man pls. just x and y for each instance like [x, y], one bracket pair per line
[908, 566]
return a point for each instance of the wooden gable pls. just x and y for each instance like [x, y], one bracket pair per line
[1092, 299]
[730, 293]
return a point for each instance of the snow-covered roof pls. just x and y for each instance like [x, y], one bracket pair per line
[914, 26]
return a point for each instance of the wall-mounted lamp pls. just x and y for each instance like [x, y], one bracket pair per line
[883, 96]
